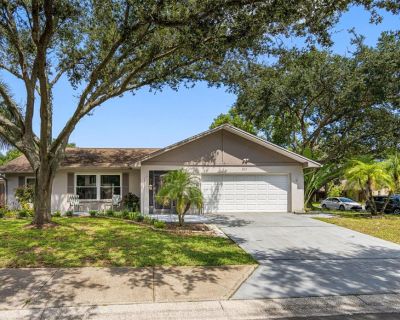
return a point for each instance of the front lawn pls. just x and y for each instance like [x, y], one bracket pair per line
[101, 242]
[387, 227]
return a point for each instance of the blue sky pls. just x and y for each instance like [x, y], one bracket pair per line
[156, 120]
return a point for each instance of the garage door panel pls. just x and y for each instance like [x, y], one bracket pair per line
[241, 193]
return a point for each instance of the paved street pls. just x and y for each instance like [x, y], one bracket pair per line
[303, 257]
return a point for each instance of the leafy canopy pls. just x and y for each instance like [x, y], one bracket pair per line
[326, 106]
[10, 155]
[233, 118]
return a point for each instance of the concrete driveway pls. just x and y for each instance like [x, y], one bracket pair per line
[302, 257]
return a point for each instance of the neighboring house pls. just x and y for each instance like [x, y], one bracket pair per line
[238, 172]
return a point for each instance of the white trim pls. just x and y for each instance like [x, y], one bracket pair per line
[269, 145]
[98, 183]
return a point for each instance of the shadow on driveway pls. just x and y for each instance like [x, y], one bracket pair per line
[302, 257]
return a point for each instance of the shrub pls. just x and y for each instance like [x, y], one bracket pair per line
[132, 215]
[125, 214]
[139, 217]
[24, 195]
[131, 201]
[110, 213]
[93, 213]
[10, 214]
[159, 224]
[148, 219]
[117, 214]
[57, 213]
[100, 213]
[69, 213]
[2, 212]
[24, 213]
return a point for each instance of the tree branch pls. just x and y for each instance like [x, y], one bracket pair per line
[13, 72]
[11, 106]
[7, 124]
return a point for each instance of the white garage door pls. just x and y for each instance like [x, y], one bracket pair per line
[245, 193]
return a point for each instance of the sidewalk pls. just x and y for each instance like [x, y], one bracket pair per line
[48, 288]
[221, 310]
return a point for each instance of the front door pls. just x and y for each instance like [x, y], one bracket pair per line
[155, 185]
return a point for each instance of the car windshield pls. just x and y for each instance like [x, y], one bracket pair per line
[346, 200]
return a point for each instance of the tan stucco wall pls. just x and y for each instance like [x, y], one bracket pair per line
[59, 198]
[223, 153]
[220, 148]
[12, 184]
[295, 173]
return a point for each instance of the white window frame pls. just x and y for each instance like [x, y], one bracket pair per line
[98, 183]
[28, 177]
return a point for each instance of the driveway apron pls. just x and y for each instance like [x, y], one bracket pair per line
[303, 257]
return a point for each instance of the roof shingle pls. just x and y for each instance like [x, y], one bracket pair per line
[87, 157]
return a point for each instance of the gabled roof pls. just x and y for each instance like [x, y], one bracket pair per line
[86, 158]
[269, 145]
[119, 158]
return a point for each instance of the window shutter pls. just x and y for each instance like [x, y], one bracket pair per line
[70, 182]
[125, 183]
[21, 181]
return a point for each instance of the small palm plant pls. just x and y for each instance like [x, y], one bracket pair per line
[366, 174]
[182, 189]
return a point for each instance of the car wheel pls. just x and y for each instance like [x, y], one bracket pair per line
[396, 211]
[324, 206]
[341, 208]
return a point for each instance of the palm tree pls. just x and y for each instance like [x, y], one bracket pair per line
[180, 187]
[316, 178]
[366, 174]
[392, 165]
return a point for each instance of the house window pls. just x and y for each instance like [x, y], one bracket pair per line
[86, 186]
[109, 186]
[98, 186]
[30, 181]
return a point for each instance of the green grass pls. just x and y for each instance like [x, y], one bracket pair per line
[387, 227]
[101, 242]
[340, 213]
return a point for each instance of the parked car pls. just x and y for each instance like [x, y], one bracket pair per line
[341, 203]
[393, 205]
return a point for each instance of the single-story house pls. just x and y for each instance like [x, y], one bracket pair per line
[238, 172]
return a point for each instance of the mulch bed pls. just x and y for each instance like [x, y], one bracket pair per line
[174, 227]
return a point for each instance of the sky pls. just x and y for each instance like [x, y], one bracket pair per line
[149, 119]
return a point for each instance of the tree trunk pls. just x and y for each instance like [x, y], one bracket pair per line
[382, 212]
[181, 219]
[370, 197]
[43, 188]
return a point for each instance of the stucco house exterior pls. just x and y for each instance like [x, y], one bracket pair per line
[237, 171]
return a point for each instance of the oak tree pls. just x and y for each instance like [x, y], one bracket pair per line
[106, 48]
